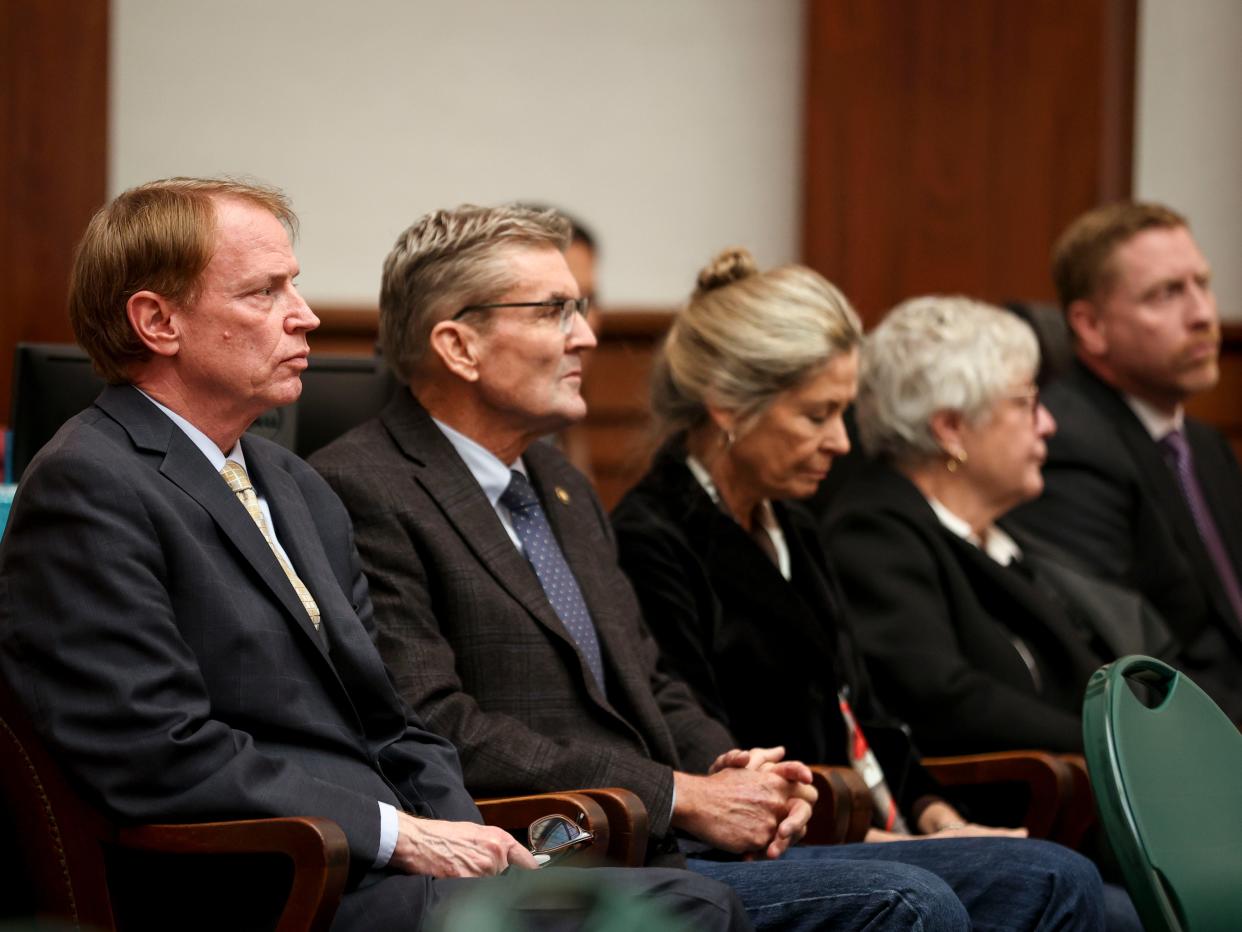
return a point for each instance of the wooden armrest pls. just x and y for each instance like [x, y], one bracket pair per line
[628, 825]
[1078, 813]
[317, 847]
[843, 812]
[1048, 778]
[516, 813]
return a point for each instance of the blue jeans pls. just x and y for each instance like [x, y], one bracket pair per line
[957, 883]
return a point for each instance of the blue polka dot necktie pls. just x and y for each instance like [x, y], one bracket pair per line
[557, 579]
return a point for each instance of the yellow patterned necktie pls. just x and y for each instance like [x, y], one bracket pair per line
[239, 482]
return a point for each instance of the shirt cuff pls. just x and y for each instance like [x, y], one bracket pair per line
[388, 835]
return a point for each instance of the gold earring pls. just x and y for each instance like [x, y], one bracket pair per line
[728, 439]
[955, 460]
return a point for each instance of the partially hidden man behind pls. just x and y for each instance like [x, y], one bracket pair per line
[507, 622]
[184, 615]
[1144, 494]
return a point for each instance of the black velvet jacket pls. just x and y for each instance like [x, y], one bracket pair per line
[765, 656]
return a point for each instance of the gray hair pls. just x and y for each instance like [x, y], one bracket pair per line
[933, 354]
[450, 259]
[746, 336]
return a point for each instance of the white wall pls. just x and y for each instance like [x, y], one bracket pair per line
[671, 126]
[1188, 146]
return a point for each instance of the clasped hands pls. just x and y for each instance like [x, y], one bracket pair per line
[752, 802]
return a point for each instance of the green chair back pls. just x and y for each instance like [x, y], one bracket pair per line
[1167, 776]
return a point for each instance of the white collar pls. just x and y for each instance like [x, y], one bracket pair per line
[489, 472]
[199, 439]
[1157, 423]
[765, 512]
[996, 543]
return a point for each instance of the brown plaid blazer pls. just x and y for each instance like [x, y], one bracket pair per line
[472, 641]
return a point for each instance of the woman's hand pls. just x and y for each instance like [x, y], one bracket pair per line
[940, 820]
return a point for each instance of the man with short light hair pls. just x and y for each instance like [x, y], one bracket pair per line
[509, 626]
[184, 616]
[1145, 495]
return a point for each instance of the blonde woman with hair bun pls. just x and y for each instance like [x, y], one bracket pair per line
[749, 393]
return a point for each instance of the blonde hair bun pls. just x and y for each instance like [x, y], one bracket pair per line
[729, 266]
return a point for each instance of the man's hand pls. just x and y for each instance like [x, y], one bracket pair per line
[743, 810]
[772, 760]
[754, 759]
[455, 849]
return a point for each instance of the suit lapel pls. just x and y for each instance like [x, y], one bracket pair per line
[567, 518]
[1159, 479]
[1218, 475]
[296, 531]
[186, 467]
[1034, 618]
[447, 481]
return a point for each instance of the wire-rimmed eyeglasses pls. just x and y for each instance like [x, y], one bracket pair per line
[1028, 399]
[565, 307]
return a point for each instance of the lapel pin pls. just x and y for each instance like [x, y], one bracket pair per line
[562, 495]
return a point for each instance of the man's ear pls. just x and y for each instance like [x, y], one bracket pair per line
[458, 347]
[154, 319]
[947, 427]
[1083, 317]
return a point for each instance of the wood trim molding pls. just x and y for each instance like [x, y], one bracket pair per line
[53, 161]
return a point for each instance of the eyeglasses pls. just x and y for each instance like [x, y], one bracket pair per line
[1029, 399]
[555, 836]
[566, 306]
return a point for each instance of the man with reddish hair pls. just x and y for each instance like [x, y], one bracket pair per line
[1144, 494]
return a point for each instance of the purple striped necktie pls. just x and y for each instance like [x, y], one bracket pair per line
[1177, 453]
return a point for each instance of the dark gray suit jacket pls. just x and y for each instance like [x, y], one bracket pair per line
[473, 642]
[166, 659]
[1111, 500]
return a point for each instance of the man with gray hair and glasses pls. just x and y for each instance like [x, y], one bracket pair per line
[505, 618]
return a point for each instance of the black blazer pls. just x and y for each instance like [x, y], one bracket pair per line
[935, 616]
[167, 661]
[1112, 501]
[765, 656]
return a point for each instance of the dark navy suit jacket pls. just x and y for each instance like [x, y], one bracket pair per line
[165, 658]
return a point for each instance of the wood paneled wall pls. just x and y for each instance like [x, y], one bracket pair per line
[53, 160]
[949, 141]
[615, 441]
